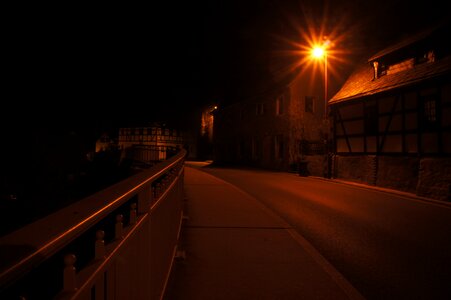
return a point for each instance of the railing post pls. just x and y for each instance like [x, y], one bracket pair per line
[127, 257]
[133, 213]
[157, 190]
[100, 245]
[69, 276]
[118, 227]
[144, 199]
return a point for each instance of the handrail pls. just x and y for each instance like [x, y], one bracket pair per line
[45, 237]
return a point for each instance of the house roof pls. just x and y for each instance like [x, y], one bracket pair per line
[361, 83]
[406, 42]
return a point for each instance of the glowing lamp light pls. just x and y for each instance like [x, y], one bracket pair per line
[318, 52]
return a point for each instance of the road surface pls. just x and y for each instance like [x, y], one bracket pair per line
[389, 246]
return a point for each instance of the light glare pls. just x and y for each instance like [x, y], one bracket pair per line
[318, 52]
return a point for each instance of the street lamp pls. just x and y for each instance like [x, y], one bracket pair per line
[319, 52]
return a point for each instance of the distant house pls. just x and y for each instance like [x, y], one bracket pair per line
[276, 130]
[150, 144]
[151, 136]
[392, 118]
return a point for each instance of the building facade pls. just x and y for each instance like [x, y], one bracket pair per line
[281, 130]
[150, 136]
[392, 118]
[149, 144]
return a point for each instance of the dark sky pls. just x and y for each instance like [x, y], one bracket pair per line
[121, 63]
[73, 70]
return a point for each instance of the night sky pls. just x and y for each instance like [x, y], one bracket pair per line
[72, 72]
[109, 64]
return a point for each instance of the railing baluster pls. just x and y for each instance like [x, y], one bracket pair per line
[144, 200]
[118, 228]
[96, 274]
[157, 190]
[100, 245]
[133, 213]
[69, 276]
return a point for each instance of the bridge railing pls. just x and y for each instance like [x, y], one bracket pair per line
[149, 155]
[116, 244]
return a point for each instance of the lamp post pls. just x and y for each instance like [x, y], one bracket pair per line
[320, 52]
[325, 84]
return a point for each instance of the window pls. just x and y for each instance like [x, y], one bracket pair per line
[430, 113]
[429, 118]
[428, 56]
[279, 105]
[371, 119]
[259, 109]
[379, 69]
[279, 146]
[309, 103]
[256, 148]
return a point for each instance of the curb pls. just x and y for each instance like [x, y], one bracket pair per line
[407, 195]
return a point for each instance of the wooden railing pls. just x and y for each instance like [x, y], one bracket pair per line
[116, 244]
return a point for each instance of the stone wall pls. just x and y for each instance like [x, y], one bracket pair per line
[316, 164]
[434, 179]
[400, 173]
[426, 177]
[361, 168]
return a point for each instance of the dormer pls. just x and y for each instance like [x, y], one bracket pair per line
[425, 47]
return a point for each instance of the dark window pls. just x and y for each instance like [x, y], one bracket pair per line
[309, 103]
[428, 56]
[279, 146]
[256, 148]
[260, 109]
[371, 119]
[429, 118]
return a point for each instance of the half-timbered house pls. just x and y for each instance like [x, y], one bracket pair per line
[392, 118]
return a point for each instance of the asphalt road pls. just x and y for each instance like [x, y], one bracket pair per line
[388, 246]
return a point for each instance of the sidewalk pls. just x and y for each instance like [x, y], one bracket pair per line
[236, 248]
